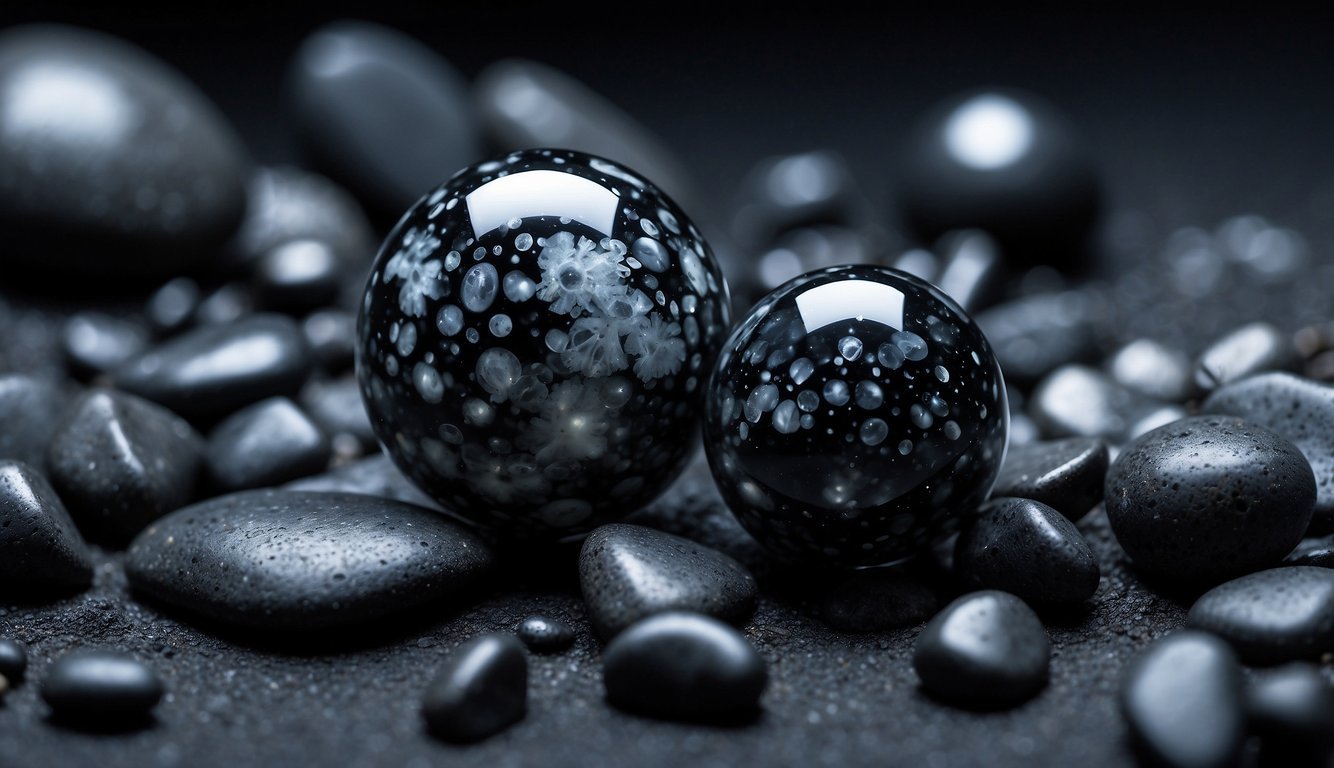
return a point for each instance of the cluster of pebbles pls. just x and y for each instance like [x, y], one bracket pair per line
[200, 436]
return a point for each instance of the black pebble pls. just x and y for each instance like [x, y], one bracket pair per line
[872, 600]
[1317, 552]
[1184, 702]
[1079, 401]
[336, 406]
[544, 635]
[13, 661]
[43, 551]
[332, 337]
[286, 204]
[785, 192]
[265, 444]
[298, 276]
[1036, 334]
[1292, 711]
[479, 691]
[1066, 475]
[1038, 194]
[172, 307]
[1299, 409]
[380, 112]
[121, 462]
[1152, 369]
[627, 572]
[227, 303]
[985, 650]
[1278, 615]
[94, 343]
[211, 371]
[1246, 350]
[1207, 499]
[91, 686]
[30, 410]
[972, 268]
[144, 179]
[1028, 549]
[324, 559]
[684, 666]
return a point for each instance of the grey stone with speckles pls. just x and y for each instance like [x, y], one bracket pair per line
[291, 560]
[628, 572]
[1028, 549]
[1066, 475]
[40, 549]
[1278, 615]
[264, 444]
[480, 690]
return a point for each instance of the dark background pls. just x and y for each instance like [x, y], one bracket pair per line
[1193, 117]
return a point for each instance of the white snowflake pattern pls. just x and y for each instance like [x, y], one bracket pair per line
[421, 278]
[595, 347]
[573, 424]
[577, 276]
[658, 346]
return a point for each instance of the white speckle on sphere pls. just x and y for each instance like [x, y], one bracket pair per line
[501, 325]
[449, 320]
[952, 430]
[874, 431]
[427, 381]
[479, 287]
[786, 418]
[762, 399]
[524, 241]
[836, 392]
[407, 339]
[497, 370]
[942, 373]
[869, 395]
[651, 254]
[921, 417]
[850, 347]
[800, 370]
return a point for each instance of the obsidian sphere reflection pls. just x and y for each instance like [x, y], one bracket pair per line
[855, 416]
[535, 339]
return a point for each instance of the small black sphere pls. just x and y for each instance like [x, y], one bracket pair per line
[855, 416]
[534, 340]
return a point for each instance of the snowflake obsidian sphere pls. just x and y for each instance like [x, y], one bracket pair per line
[855, 416]
[535, 338]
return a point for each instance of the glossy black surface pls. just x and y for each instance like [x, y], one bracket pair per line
[534, 341]
[1028, 549]
[855, 416]
[92, 686]
[480, 689]
[44, 552]
[1273, 616]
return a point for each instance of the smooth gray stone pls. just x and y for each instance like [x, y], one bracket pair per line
[481, 689]
[298, 276]
[265, 444]
[336, 406]
[1299, 409]
[1152, 369]
[1184, 702]
[91, 687]
[1207, 499]
[785, 192]
[1037, 334]
[94, 343]
[1317, 552]
[287, 204]
[985, 650]
[522, 103]
[1079, 401]
[1028, 549]
[172, 307]
[211, 371]
[331, 335]
[121, 462]
[971, 270]
[1292, 711]
[628, 572]
[1066, 475]
[1271, 617]
[381, 113]
[30, 410]
[281, 560]
[543, 634]
[684, 666]
[114, 166]
[1250, 349]
[44, 553]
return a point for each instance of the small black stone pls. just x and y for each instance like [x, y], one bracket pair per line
[1037, 334]
[43, 551]
[172, 307]
[94, 343]
[380, 112]
[88, 686]
[1283, 614]
[985, 650]
[1299, 409]
[30, 410]
[1079, 401]
[298, 276]
[1066, 475]
[1292, 711]
[1184, 702]
[226, 304]
[121, 462]
[1207, 499]
[211, 371]
[479, 691]
[876, 600]
[627, 572]
[336, 406]
[1028, 549]
[1318, 552]
[794, 253]
[544, 635]
[786, 192]
[1152, 369]
[284, 204]
[971, 268]
[324, 559]
[684, 666]
[1247, 350]
[265, 444]
[13, 661]
[331, 335]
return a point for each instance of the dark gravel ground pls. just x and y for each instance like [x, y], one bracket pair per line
[1193, 120]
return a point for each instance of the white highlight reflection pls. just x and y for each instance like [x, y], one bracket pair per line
[76, 103]
[847, 299]
[541, 193]
[989, 132]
